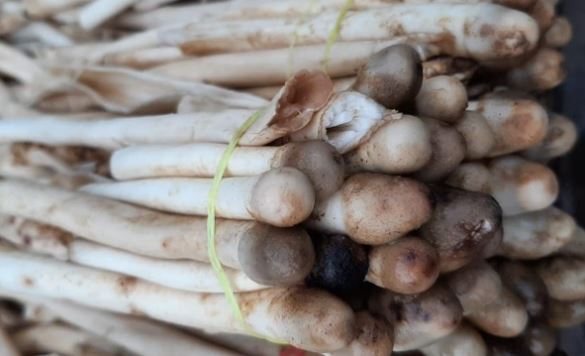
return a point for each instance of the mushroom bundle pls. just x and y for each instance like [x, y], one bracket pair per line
[387, 187]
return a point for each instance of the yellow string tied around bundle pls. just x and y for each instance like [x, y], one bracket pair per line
[220, 171]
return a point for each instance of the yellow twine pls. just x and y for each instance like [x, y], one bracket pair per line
[211, 250]
[334, 33]
[295, 37]
[223, 163]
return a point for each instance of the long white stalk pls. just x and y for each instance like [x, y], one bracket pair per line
[266, 254]
[41, 33]
[62, 339]
[374, 209]
[18, 66]
[318, 160]
[281, 197]
[260, 9]
[99, 11]
[45, 8]
[180, 274]
[286, 113]
[479, 31]
[536, 235]
[274, 66]
[293, 314]
[143, 337]
[146, 58]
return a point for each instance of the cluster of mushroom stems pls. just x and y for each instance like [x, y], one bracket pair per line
[393, 194]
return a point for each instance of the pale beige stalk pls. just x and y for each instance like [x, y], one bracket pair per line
[255, 248]
[292, 314]
[318, 160]
[99, 11]
[45, 8]
[513, 33]
[537, 234]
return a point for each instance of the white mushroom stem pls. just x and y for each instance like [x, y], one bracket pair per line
[280, 197]
[146, 58]
[144, 337]
[180, 274]
[18, 66]
[465, 340]
[127, 91]
[255, 248]
[399, 146]
[374, 209]
[537, 234]
[517, 120]
[287, 113]
[418, 319]
[45, 8]
[99, 11]
[7, 345]
[62, 339]
[564, 277]
[522, 186]
[512, 33]
[478, 135]
[267, 312]
[375, 337]
[41, 33]
[559, 34]
[246, 345]
[318, 160]
[544, 71]
[443, 98]
[274, 66]
[267, 9]
[564, 314]
[561, 137]
[12, 16]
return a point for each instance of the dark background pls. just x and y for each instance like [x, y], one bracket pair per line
[569, 99]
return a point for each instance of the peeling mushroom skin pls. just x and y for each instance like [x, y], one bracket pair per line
[392, 76]
[408, 265]
[418, 319]
[461, 226]
[341, 264]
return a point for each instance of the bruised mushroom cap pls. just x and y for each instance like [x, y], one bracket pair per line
[418, 319]
[392, 76]
[461, 226]
[409, 265]
[275, 256]
[282, 197]
[340, 266]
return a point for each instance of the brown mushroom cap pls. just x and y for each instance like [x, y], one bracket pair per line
[275, 256]
[443, 98]
[409, 265]
[461, 225]
[392, 76]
